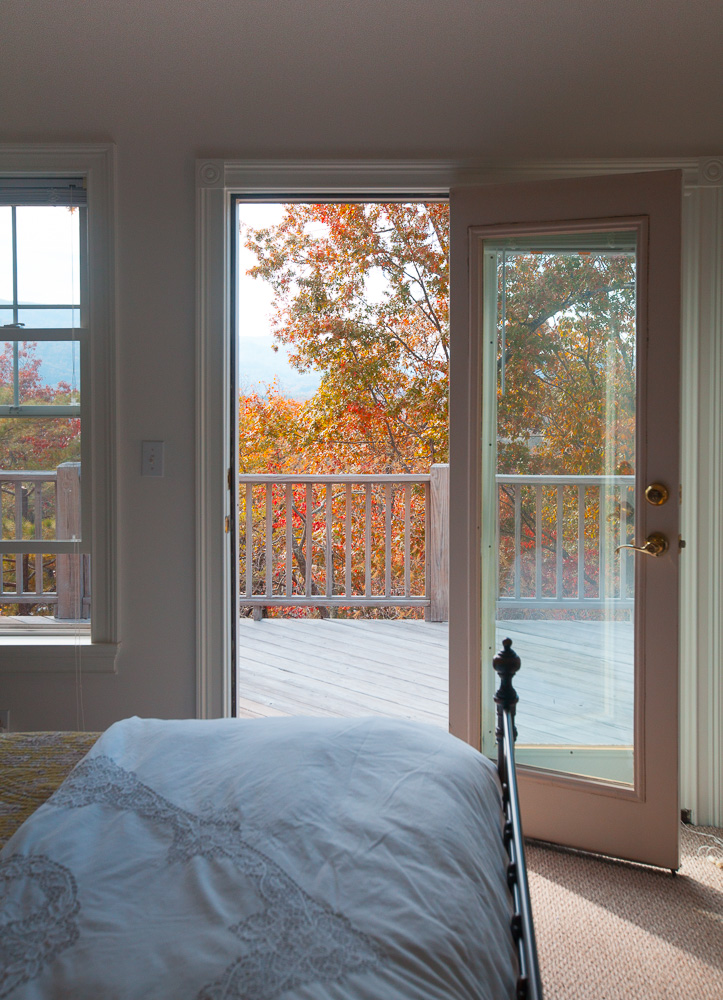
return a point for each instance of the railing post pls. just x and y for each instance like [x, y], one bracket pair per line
[439, 543]
[69, 568]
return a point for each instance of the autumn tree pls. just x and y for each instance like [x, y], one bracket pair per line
[362, 295]
[35, 442]
[566, 373]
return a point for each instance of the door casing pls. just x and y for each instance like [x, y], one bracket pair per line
[702, 570]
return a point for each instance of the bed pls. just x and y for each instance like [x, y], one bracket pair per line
[298, 858]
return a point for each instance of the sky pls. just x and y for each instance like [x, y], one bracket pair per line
[48, 273]
[258, 362]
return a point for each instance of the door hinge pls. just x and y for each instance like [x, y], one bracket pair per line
[229, 478]
[227, 524]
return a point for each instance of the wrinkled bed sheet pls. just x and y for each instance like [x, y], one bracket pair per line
[298, 858]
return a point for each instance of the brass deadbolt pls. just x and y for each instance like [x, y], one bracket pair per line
[657, 494]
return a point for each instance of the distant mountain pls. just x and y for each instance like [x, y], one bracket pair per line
[56, 362]
[259, 364]
[59, 360]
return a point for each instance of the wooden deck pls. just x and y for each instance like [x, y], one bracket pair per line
[336, 667]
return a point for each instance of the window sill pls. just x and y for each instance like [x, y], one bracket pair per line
[20, 654]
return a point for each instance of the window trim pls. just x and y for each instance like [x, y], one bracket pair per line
[95, 162]
[701, 653]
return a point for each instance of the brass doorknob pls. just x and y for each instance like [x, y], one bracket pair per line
[655, 545]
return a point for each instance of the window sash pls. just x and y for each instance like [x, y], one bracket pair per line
[39, 191]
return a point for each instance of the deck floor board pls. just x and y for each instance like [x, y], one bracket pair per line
[348, 667]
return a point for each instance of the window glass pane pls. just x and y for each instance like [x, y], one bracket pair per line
[48, 254]
[54, 589]
[28, 505]
[40, 499]
[24, 575]
[38, 443]
[6, 315]
[6, 256]
[48, 373]
[54, 319]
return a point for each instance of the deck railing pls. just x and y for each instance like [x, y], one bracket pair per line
[557, 537]
[382, 541]
[38, 505]
[345, 541]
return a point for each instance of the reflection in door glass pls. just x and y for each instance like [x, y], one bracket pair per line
[564, 308]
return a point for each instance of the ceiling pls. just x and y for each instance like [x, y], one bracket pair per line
[520, 79]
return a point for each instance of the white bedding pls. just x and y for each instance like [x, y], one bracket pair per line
[304, 859]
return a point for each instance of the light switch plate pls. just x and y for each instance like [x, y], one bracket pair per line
[152, 458]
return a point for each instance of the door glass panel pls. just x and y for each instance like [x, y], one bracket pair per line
[559, 470]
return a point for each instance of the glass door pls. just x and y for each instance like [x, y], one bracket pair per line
[568, 463]
[559, 446]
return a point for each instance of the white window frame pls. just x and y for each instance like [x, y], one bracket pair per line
[701, 654]
[95, 163]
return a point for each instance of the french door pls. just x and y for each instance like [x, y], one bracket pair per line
[564, 497]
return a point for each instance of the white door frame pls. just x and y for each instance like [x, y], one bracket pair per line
[701, 653]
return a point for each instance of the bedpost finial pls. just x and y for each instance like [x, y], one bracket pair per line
[507, 660]
[506, 664]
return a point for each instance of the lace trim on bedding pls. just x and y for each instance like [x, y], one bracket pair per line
[295, 940]
[30, 940]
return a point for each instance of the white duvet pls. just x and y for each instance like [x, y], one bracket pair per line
[304, 859]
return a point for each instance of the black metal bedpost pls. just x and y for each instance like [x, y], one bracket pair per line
[506, 663]
[529, 985]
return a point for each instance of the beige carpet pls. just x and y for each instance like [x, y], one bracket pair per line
[608, 930]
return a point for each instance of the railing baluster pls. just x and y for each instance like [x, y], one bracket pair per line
[407, 539]
[601, 588]
[428, 549]
[518, 540]
[368, 539]
[622, 492]
[2, 533]
[558, 546]
[249, 539]
[329, 557]
[538, 542]
[388, 541]
[289, 541]
[347, 542]
[38, 504]
[580, 543]
[499, 490]
[309, 530]
[19, 582]
[269, 538]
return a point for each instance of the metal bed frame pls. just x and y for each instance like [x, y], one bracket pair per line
[529, 985]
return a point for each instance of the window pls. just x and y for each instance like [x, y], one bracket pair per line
[45, 567]
[56, 407]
